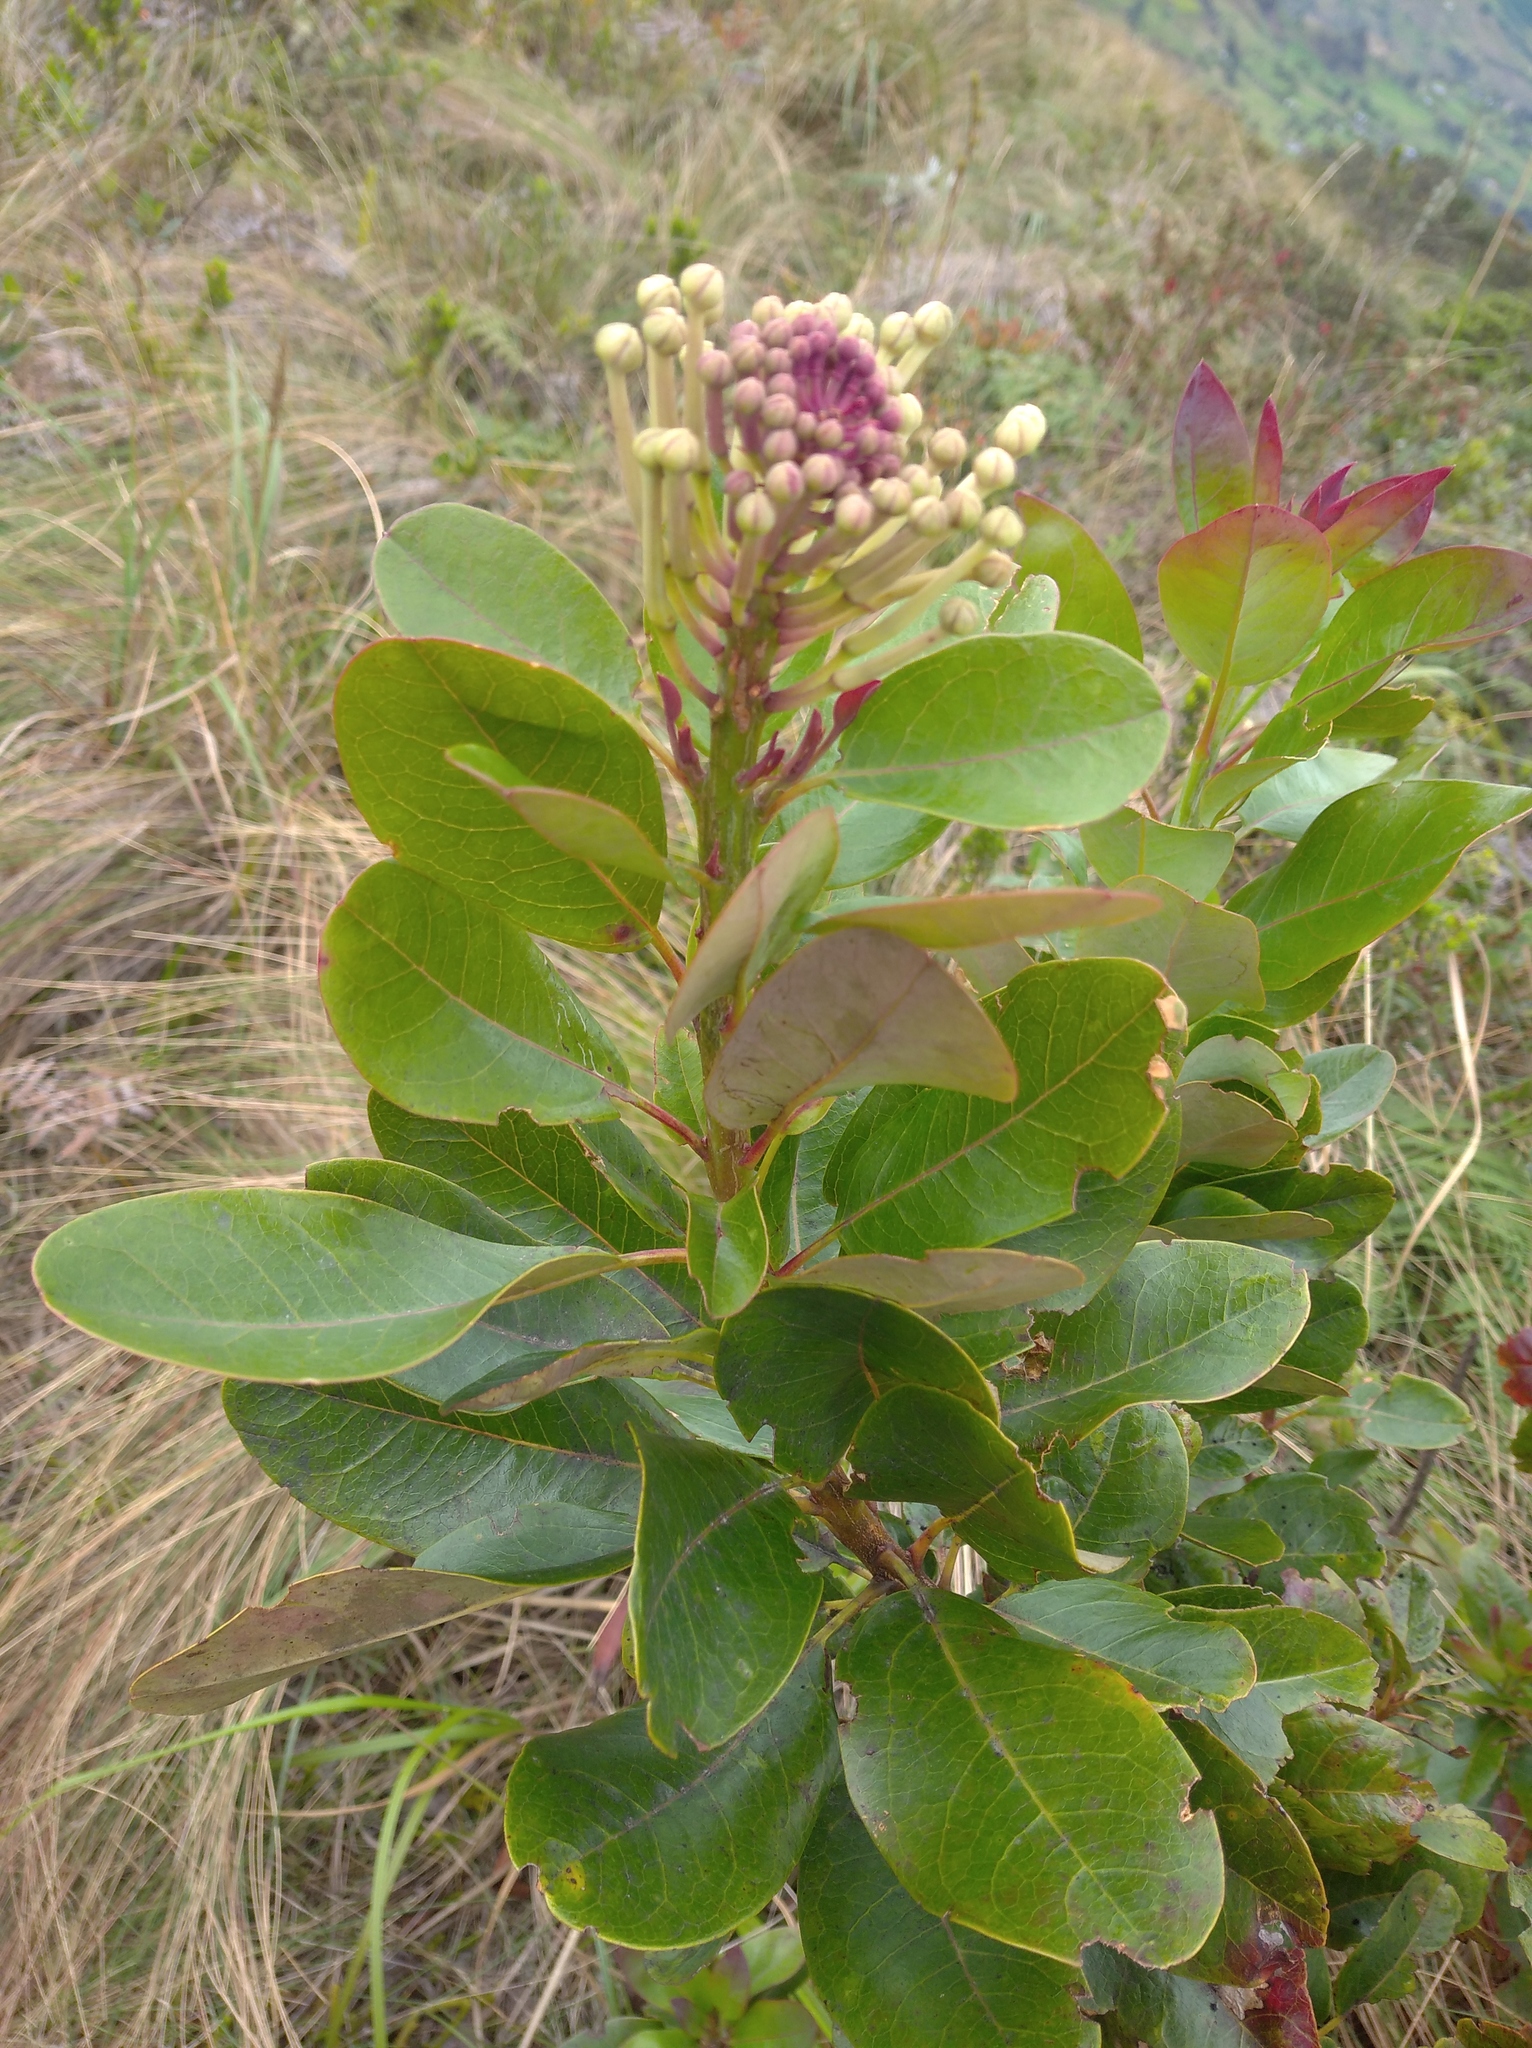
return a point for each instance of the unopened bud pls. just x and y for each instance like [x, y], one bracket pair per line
[839, 308]
[993, 470]
[714, 368]
[921, 482]
[620, 347]
[896, 334]
[854, 515]
[794, 307]
[780, 410]
[928, 516]
[702, 286]
[861, 328]
[665, 331]
[891, 495]
[933, 323]
[739, 483]
[957, 615]
[769, 308]
[830, 434]
[656, 291]
[756, 514]
[784, 482]
[1003, 526]
[646, 446]
[782, 446]
[679, 451]
[911, 412]
[946, 448]
[749, 395]
[965, 508]
[995, 571]
[821, 473]
[1021, 431]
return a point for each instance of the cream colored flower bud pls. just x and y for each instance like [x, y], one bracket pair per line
[1021, 431]
[839, 308]
[794, 307]
[665, 331]
[714, 368]
[1003, 526]
[821, 474]
[679, 451]
[656, 291]
[965, 508]
[896, 334]
[646, 446]
[957, 615]
[756, 513]
[784, 482]
[993, 470]
[769, 308]
[891, 495]
[933, 323]
[620, 347]
[913, 413]
[921, 482]
[995, 571]
[702, 286]
[946, 448]
[854, 515]
[928, 516]
[860, 328]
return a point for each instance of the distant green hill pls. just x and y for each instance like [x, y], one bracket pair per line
[1440, 78]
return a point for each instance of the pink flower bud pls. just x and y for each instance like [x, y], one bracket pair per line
[784, 482]
[782, 446]
[780, 410]
[830, 434]
[821, 473]
[854, 516]
[749, 395]
[739, 483]
[715, 369]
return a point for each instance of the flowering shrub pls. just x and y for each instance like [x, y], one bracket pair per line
[903, 1323]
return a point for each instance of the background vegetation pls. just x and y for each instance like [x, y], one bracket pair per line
[272, 276]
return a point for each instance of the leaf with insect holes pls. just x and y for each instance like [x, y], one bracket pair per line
[1011, 731]
[1092, 596]
[276, 1284]
[1210, 957]
[318, 1618]
[719, 1606]
[1170, 1661]
[760, 920]
[896, 1976]
[811, 1361]
[1210, 454]
[1127, 843]
[1244, 596]
[580, 826]
[848, 1010]
[402, 704]
[1176, 1322]
[453, 572]
[946, 923]
[655, 1851]
[917, 1169]
[544, 1495]
[1363, 865]
[450, 1010]
[1012, 1786]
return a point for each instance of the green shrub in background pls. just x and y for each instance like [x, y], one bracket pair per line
[914, 1364]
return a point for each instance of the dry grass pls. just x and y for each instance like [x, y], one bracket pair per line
[189, 498]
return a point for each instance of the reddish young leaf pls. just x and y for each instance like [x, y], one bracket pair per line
[1210, 452]
[1381, 524]
[1515, 1354]
[1285, 2016]
[1243, 597]
[1326, 494]
[1266, 475]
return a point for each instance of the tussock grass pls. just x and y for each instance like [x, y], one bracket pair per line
[422, 214]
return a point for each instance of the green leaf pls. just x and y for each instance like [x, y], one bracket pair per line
[273, 1284]
[1224, 1057]
[849, 1010]
[917, 1169]
[1221, 1127]
[403, 703]
[915, 1443]
[1409, 1413]
[1108, 1218]
[726, 1249]
[792, 1191]
[1158, 2007]
[327, 1616]
[1092, 597]
[1125, 1485]
[1022, 1792]
[1414, 1612]
[719, 1607]
[1353, 1082]
[895, 1976]
[415, 1191]
[1127, 843]
[704, 1413]
[1289, 802]
[1177, 1322]
[1301, 1657]
[579, 826]
[760, 920]
[1319, 1525]
[877, 838]
[452, 572]
[1244, 596]
[1263, 1228]
[541, 1496]
[811, 1361]
[1316, 1363]
[1211, 958]
[449, 1009]
[1031, 605]
[1261, 1844]
[1040, 729]
[950, 923]
[655, 1851]
[1364, 865]
[1171, 1662]
[1286, 1006]
[1419, 1919]
[1460, 1835]
[951, 1282]
[1351, 1201]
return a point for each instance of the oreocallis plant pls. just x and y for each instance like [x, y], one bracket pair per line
[904, 1325]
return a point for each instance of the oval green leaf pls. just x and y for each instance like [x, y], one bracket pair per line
[727, 1249]
[1092, 596]
[1127, 843]
[1353, 1082]
[1244, 596]
[580, 826]
[1171, 1662]
[951, 1282]
[945, 923]
[1210, 957]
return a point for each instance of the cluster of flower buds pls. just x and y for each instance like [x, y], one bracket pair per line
[826, 512]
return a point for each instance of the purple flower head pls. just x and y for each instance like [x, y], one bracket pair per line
[824, 394]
